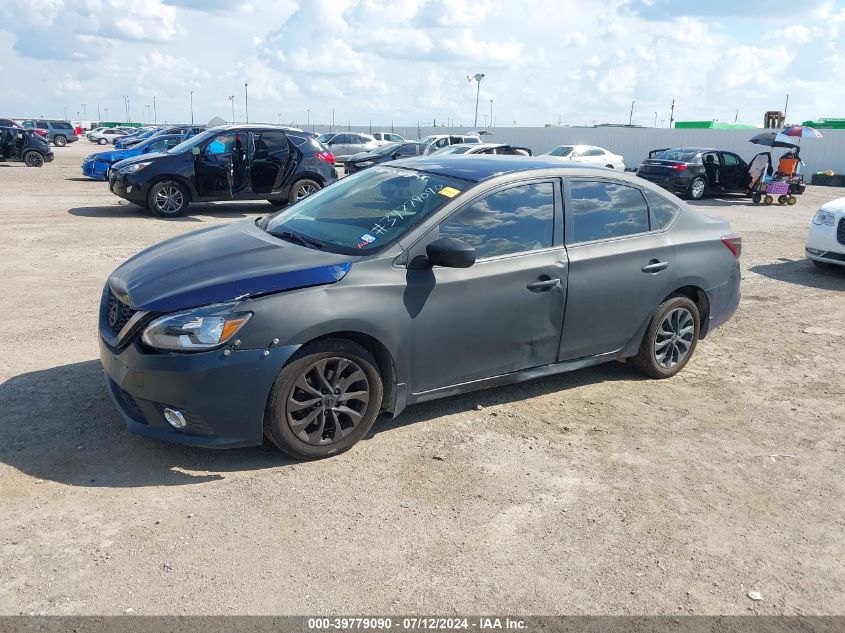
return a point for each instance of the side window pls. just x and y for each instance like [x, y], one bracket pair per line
[662, 211]
[730, 159]
[513, 220]
[602, 210]
[43, 125]
[157, 146]
[270, 143]
[408, 150]
[593, 151]
[222, 144]
[340, 139]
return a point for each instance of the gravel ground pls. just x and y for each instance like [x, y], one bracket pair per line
[592, 492]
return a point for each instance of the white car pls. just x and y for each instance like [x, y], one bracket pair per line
[825, 245]
[484, 148]
[106, 136]
[388, 137]
[588, 154]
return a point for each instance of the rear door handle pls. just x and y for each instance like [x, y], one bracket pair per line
[545, 284]
[655, 266]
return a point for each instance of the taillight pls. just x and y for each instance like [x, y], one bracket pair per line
[733, 242]
[680, 167]
[326, 156]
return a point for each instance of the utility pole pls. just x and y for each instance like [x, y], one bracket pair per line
[126, 105]
[98, 111]
[785, 108]
[83, 111]
[192, 107]
[280, 118]
[736, 116]
[655, 119]
[477, 77]
[631, 117]
[308, 119]
[246, 101]
[155, 113]
[491, 113]
[232, 99]
[332, 128]
[672, 114]
[485, 121]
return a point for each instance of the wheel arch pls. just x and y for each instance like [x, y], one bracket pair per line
[383, 357]
[698, 296]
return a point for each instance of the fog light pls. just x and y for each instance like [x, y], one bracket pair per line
[175, 418]
[129, 189]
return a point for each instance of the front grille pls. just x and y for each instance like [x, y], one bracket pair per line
[117, 313]
[840, 231]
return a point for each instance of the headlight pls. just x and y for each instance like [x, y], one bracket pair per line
[196, 330]
[366, 163]
[823, 217]
[131, 169]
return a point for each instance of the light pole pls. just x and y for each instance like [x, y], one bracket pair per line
[631, 117]
[485, 121]
[148, 111]
[280, 117]
[246, 101]
[126, 105]
[192, 107]
[232, 99]
[99, 118]
[155, 114]
[308, 119]
[491, 113]
[106, 110]
[83, 111]
[655, 119]
[477, 77]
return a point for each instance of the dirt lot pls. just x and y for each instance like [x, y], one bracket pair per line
[593, 492]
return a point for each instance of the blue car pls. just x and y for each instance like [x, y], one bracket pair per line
[97, 165]
[134, 138]
[187, 130]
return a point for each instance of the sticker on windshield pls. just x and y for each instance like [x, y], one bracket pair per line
[365, 240]
[449, 192]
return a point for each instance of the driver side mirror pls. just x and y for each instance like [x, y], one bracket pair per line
[450, 253]
[396, 155]
[195, 151]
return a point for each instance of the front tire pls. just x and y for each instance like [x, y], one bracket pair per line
[670, 339]
[33, 159]
[697, 188]
[103, 141]
[302, 189]
[324, 400]
[168, 199]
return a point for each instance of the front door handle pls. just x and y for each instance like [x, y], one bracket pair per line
[544, 284]
[655, 266]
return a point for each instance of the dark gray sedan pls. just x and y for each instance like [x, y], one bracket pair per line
[404, 283]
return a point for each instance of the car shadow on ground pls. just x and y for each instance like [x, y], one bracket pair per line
[804, 273]
[195, 212]
[741, 201]
[84, 179]
[59, 424]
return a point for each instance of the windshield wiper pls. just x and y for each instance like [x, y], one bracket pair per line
[307, 242]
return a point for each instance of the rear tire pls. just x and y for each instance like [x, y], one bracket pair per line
[697, 188]
[168, 199]
[670, 340]
[302, 189]
[33, 159]
[324, 400]
[102, 141]
[60, 141]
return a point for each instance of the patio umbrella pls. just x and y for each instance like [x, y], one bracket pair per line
[773, 139]
[800, 131]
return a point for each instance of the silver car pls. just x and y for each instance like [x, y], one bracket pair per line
[388, 137]
[345, 144]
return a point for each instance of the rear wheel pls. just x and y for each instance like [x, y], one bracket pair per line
[60, 141]
[324, 401]
[33, 159]
[302, 189]
[696, 188]
[670, 340]
[103, 141]
[168, 199]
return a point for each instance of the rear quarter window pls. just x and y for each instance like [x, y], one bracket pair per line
[662, 211]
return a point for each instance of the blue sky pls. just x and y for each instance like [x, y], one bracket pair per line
[577, 61]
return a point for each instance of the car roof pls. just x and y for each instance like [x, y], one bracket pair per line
[251, 127]
[478, 167]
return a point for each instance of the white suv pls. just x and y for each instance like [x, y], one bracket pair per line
[825, 245]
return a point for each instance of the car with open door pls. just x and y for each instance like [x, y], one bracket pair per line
[18, 144]
[694, 172]
[410, 281]
[233, 162]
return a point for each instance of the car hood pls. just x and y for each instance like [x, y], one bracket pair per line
[835, 206]
[139, 158]
[220, 264]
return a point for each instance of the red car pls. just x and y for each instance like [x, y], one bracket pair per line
[10, 123]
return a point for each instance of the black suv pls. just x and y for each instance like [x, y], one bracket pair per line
[60, 133]
[18, 144]
[233, 162]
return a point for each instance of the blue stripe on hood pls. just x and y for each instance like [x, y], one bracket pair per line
[243, 288]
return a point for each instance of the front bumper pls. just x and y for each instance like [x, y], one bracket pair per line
[126, 186]
[95, 169]
[822, 244]
[223, 398]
